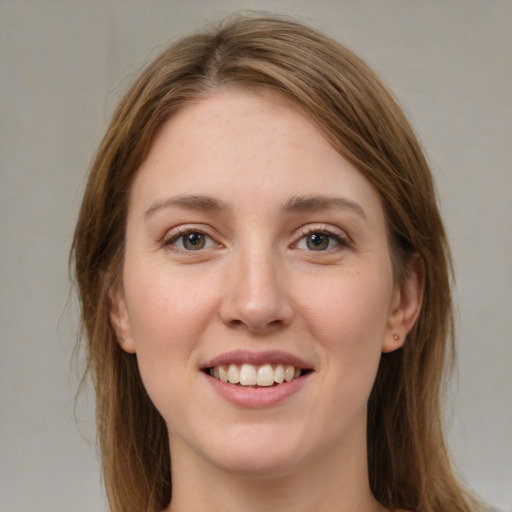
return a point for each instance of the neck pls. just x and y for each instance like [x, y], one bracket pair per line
[331, 483]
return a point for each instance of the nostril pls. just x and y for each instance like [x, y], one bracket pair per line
[253, 326]
[236, 323]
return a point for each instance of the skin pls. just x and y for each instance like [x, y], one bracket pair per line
[257, 285]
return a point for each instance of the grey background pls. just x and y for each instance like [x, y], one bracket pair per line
[64, 64]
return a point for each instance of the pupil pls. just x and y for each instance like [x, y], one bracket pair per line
[194, 241]
[317, 241]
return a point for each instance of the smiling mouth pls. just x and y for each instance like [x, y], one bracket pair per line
[264, 375]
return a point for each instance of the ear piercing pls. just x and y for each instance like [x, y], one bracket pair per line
[395, 337]
[122, 339]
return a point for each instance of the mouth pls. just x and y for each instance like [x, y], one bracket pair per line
[248, 369]
[264, 375]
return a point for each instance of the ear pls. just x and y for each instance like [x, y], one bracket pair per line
[405, 304]
[120, 319]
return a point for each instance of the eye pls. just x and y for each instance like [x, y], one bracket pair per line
[320, 240]
[190, 241]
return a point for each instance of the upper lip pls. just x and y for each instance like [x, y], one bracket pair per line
[257, 359]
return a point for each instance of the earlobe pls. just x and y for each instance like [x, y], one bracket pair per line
[406, 305]
[119, 319]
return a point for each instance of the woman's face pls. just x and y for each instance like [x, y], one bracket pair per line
[254, 251]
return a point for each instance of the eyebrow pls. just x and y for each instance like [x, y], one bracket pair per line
[194, 202]
[318, 203]
[296, 204]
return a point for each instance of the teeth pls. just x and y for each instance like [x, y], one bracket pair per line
[250, 375]
[233, 374]
[279, 373]
[289, 372]
[265, 375]
[223, 374]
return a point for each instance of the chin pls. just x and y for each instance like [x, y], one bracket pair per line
[259, 466]
[257, 451]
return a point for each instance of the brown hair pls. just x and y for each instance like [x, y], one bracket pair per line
[408, 463]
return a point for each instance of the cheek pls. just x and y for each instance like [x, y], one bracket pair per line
[167, 311]
[168, 315]
[349, 319]
[352, 307]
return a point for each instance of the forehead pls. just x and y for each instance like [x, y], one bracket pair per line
[236, 123]
[259, 147]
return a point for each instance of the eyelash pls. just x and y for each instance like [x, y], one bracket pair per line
[181, 232]
[341, 240]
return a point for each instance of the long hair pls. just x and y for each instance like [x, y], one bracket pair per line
[407, 458]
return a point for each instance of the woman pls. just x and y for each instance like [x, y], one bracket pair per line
[264, 278]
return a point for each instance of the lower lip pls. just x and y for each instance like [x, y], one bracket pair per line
[260, 397]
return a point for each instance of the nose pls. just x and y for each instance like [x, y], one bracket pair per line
[255, 296]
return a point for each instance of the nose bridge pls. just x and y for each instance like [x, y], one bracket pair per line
[256, 296]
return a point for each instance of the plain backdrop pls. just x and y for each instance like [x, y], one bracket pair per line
[64, 64]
